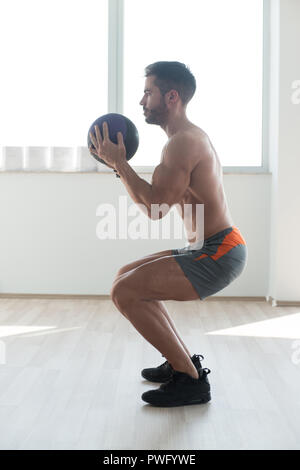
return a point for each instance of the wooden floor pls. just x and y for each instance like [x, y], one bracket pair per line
[70, 377]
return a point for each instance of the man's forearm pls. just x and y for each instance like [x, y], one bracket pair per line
[139, 189]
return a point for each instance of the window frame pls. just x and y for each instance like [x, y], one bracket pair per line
[115, 99]
[116, 77]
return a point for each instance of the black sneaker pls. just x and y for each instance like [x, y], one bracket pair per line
[164, 372]
[180, 390]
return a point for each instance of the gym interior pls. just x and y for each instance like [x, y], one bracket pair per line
[70, 363]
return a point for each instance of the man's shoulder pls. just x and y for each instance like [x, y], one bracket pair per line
[185, 147]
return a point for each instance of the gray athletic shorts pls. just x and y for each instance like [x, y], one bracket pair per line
[220, 261]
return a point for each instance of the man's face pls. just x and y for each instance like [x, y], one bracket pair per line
[155, 109]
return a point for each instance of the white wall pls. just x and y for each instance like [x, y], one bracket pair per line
[285, 151]
[48, 242]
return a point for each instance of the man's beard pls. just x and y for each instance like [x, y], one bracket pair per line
[157, 116]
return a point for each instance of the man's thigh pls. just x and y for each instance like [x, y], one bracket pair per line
[158, 279]
[146, 259]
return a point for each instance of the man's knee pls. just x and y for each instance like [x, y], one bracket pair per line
[119, 274]
[122, 270]
[119, 293]
[114, 291]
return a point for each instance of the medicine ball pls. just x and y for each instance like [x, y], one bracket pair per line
[116, 123]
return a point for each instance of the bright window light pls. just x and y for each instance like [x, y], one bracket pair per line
[287, 326]
[13, 330]
[53, 83]
[222, 43]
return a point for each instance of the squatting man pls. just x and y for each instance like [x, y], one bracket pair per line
[189, 172]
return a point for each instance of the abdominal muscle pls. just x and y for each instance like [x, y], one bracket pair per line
[206, 188]
[202, 222]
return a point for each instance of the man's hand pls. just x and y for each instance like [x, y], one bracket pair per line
[110, 153]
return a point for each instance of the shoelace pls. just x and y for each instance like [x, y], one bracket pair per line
[200, 357]
[176, 377]
[163, 365]
[173, 380]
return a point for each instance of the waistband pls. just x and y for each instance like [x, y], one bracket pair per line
[230, 236]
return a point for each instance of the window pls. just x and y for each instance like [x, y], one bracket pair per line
[222, 43]
[66, 62]
[54, 58]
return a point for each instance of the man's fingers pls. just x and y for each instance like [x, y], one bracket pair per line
[93, 151]
[93, 139]
[105, 131]
[98, 134]
[120, 138]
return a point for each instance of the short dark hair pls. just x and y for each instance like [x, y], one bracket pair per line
[173, 75]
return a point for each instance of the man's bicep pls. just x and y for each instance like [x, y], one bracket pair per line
[169, 183]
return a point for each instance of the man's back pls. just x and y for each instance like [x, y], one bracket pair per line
[206, 184]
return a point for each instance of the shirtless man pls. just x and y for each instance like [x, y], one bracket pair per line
[189, 173]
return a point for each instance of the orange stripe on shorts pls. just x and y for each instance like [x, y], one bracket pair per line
[231, 239]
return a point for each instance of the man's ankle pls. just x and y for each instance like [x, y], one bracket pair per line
[191, 371]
